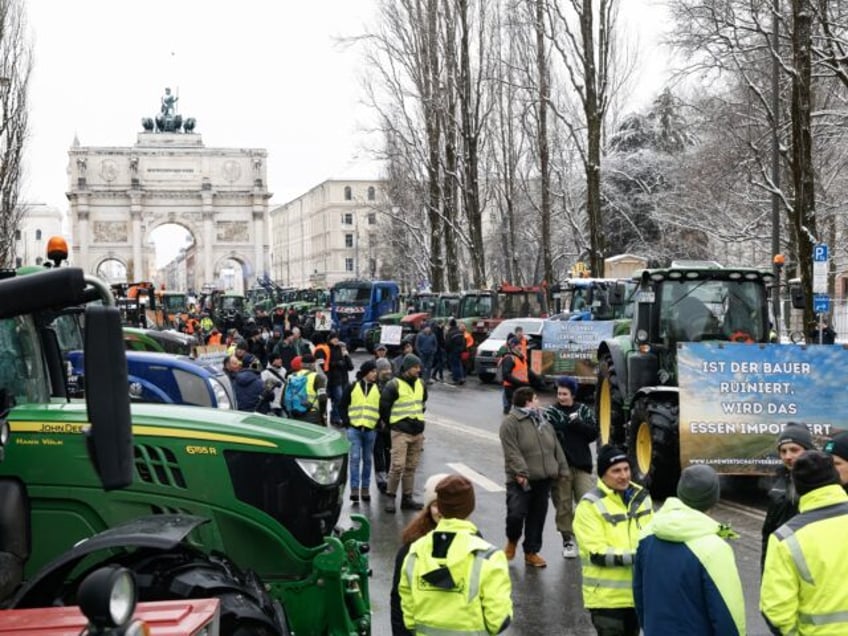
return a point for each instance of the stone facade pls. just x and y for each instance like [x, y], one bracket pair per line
[328, 234]
[119, 195]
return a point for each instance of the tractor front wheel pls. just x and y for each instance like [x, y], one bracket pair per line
[609, 403]
[653, 445]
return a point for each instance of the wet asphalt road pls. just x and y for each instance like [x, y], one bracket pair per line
[462, 436]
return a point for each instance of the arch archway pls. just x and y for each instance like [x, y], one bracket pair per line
[112, 270]
[233, 272]
[174, 251]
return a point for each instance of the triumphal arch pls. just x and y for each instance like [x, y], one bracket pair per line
[119, 195]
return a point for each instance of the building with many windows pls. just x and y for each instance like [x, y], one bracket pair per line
[330, 233]
[39, 223]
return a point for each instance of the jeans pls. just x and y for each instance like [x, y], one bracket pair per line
[455, 362]
[439, 365]
[335, 393]
[526, 510]
[361, 450]
[426, 365]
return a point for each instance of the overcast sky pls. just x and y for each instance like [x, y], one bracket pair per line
[254, 73]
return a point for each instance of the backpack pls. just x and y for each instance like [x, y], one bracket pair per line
[296, 394]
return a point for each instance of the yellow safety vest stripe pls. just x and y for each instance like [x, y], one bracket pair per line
[364, 410]
[410, 402]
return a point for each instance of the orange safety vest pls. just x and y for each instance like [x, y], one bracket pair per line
[214, 339]
[326, 349]
[469, 340]
[519, 371]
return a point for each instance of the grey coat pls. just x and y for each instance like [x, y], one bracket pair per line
[530, 448]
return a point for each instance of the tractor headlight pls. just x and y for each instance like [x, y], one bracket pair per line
[222, 398]
[107, 597]
[322, 471]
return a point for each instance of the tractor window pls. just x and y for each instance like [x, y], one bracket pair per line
[698, 310]
[22, 373]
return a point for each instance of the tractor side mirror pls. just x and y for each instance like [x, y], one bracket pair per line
[110, 441]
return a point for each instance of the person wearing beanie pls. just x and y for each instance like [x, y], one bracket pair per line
[405, 349]
[454, 346]
[305, 392]
[383, 440]
[402, 403]
[792, 440]
[803, 589]
[838, 449]
[576, 429]
[359, 409]
[468, 587]
[422, 523]
[338, 375]
[685, 579]
[532, 460]
[607, 524]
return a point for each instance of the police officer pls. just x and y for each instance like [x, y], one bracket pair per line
[607, 524]
[453, 581]
[803, 590]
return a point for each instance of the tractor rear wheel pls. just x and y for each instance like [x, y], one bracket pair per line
[653, 445]
[609, 403]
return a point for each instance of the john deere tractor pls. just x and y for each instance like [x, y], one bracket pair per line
[637, 399]
[198, 502]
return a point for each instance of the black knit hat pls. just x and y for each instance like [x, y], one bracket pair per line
[797, 433]
[409, 360]
[609, 455]
[367, 367]
[813, 469]
[698, 487]
[838, 445]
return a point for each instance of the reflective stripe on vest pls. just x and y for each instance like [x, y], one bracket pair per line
[611, 583]
[409, 404]
[823, 619]
[473, 591]
[364, 410]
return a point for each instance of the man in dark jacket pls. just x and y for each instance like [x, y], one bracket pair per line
[426, 347]
[402, 406]
[454, 346]
[576, 429]
[248, 386]
[793, 440]
[338, 377]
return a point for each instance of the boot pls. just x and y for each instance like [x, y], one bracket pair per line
[354, 496]
[509, 550]
[408, 503]
[364, 495]
[534, 560]
[390, 504]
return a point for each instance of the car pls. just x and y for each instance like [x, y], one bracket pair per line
[489, 351]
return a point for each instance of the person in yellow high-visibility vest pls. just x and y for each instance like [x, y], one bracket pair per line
[402, 406]
[359, 409]
[452, 581]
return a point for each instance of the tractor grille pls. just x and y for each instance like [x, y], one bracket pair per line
[276, 485]
[158, 465]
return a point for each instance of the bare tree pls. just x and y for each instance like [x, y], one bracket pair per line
[15, 69]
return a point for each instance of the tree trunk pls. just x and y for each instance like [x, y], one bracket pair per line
[542, 139]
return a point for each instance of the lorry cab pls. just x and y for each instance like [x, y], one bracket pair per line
[356, 307]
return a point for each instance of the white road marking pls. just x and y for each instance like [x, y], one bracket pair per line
[456, 426]
[477, 478]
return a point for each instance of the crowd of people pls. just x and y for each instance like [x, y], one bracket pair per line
[645, 570]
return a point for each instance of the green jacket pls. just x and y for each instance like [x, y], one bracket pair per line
[530, 448]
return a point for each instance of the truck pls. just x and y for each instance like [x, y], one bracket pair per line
[693, 322]
[483, 310]
[356, 306]
[198, 502]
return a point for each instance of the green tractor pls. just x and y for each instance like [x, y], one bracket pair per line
[198, 502]
[637, 399]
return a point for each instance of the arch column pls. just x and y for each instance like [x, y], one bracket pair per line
[138, 272]
[208, 227]
[82, 217]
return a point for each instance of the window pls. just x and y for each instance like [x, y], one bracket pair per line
[348, 264]
[348, 240]
[38, 235]
[372, 218]
[348, 194]
[371, 193]
[348, 218]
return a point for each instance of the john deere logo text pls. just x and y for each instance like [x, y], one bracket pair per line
[61, 428]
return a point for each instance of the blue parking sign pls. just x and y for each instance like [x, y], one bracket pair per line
[820, 253]
[821, 303]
